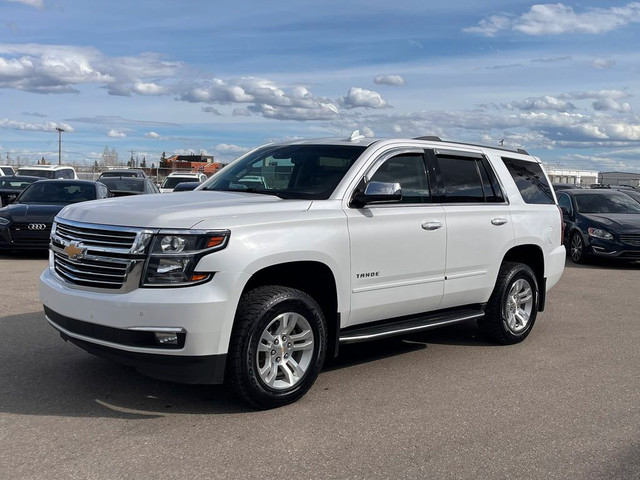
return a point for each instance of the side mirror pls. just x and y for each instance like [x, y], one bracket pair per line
[377, 192]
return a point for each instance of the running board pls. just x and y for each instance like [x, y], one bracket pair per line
[408, 325]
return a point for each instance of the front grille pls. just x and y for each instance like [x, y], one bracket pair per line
[108, 259]
[21, 234]
[631, 240]
[96, 237]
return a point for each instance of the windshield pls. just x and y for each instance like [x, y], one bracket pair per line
[171, 182]
[290, 171]
[56, 192]
[119, 174]
[621, 203]
[37, 173]
[123, 184]
[13, 183]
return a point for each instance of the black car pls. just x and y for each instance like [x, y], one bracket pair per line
[26, 223]
[635, 194]
[186, 186]
[123, 172]
[124, 186]
[600, 222]
[563, 186]
[11, 186]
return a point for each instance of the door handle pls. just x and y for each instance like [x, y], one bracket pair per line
[431, 225]
[498, 221]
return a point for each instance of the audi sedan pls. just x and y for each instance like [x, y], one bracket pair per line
[26, 223]
[600, 223]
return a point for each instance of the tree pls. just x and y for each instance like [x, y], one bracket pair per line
[144, 162]
[163, 160]
[109, 157]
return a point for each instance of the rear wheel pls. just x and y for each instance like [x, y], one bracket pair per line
[277, 347]
[513, 306]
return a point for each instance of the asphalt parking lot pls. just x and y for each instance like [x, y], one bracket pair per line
[565, 404]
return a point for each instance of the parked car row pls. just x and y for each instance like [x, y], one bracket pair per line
[601, 223]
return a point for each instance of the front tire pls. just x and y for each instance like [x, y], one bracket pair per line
[513, 306]
[277, 347]
[577, 248]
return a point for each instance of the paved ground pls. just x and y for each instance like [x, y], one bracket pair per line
[565, 404]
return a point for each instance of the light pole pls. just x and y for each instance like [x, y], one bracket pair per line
[60, 130]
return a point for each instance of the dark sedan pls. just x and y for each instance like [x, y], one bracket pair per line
[11, 186]
[601, 223]
[124, 186]
[26, 223]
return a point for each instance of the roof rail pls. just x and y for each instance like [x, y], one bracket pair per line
[434, 138]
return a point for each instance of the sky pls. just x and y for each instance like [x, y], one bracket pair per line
[561, 80]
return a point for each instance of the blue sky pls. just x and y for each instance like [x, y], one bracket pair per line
[561, 80]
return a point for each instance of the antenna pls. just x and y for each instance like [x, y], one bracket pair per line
[355, 136]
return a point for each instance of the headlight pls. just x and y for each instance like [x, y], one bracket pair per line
[4, 221]
[599, 233]
[174, 255]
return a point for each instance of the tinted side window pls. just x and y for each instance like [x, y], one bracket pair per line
[530, 180]
[461, 179]
[409, 171]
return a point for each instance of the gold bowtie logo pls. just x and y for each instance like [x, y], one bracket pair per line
[73, 251]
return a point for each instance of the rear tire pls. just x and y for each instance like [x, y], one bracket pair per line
[277, 346]
[513, 306]
[576, 248]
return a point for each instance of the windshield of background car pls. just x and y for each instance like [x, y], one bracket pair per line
[290, 171]
[56, 192]
[606, 204]
[37, 173]
[171, 182]
[129, 184]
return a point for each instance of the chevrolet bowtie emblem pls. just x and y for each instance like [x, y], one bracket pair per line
[73, 251]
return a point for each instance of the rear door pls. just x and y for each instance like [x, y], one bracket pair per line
[479, 230]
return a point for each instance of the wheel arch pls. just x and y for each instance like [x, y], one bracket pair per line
[532, 256]
[312, 277]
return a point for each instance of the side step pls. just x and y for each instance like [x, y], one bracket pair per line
[390, 328]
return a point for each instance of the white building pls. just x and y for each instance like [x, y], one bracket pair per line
[581, 178]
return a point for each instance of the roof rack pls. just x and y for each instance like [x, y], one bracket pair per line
[434, 138]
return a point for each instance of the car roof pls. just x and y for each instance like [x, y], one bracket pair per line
[44, 167]
[592, 191]
[65, 181]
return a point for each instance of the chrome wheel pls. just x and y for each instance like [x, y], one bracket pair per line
[285, 351]
[577, 247]
[518, 307]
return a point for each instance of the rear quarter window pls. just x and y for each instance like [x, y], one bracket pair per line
[531, 181]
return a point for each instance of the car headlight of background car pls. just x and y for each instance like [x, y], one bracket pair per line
[4, 221]
[599, 233]
[174, 255]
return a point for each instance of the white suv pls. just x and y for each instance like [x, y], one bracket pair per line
[175, 178]
[48, 171]
[6, 170]
[346, 241]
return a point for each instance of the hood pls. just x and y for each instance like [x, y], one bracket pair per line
[178, 210]
[26, 213]
[617, 222]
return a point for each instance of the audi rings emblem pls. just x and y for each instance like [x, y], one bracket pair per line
[37, 226]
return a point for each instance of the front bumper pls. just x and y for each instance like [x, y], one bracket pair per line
[19, 237]
[117, 325]
[613, 249]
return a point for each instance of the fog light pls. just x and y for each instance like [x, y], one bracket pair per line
[164, 338]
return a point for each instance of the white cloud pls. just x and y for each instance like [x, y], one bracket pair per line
[546, 102]
[30, 3]
[610, 104]
[392, 80]
[225, 148]
[113, 133]
[211, 110]
[152, 135]
[603, 63]
[360, 97]
[241, 112]
[557, 19]
[60, 69]
[35, 127]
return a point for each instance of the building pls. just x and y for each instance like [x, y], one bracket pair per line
[581, 178]
[619, 178]
[192, 163]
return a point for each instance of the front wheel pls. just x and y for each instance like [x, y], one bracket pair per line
[576, 248]
[277, 347]
[513, 306]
